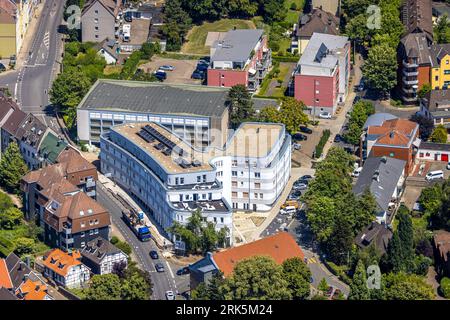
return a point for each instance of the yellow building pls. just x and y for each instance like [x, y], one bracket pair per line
[15, 18]
[440, 68]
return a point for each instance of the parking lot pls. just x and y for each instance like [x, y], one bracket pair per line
[181, 74]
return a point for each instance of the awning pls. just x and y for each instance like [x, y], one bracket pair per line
[251, 71]
[417, 142]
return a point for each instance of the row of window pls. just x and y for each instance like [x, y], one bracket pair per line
[245, 195]
[143, 118]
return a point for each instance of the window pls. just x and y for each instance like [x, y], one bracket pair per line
[436, 78]
[391, 154]
[245, 195]
[83, 225]
[234, 163]
[95, 231]
[446, 61]
[234, 194]
[96, 20]
[198, 178]
[221, 220]
[255, 195]
[176, 180]
[82, 234]
[234, 173]
[446, 71]
[421, 155]
[181, 180]
[83, 244]
[204, 178]
[91, 232]
[234, 184]
[258, 185]
[96, 28]
[258, 175]
[96, 11]
[261, 195]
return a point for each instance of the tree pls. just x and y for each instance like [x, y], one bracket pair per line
[135, 288]
[12, 168]
[358, 116]
[445, 287]
[358, 287]
[23, 246]
[211, 290]
[259, 278]
[241, 105]
[323, 285]
[426, 125]
[352, 8]
[406, 235]
[426, 88]
[292, 114]
[380, 69]
[394, 254]
[439, 134]
[339, 244]
[297, 275]
[402, 286]
[124, 246]
[356, 29]
[177, 23]
[270, 114]
[104, 287]
[272, 10]
[442, 30]
[10, 218]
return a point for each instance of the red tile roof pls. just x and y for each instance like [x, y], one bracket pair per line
[61, 262]
[279, 247]
[5, 279]
[32, 290]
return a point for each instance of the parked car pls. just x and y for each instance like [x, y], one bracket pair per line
[448, 165]
[160, 75]
[167, 68]
[203, 61]
[362, 85]
[182, 271]
[306, 177]
[348, 150]
[2, 67]
[330, 291]
[197, 75]
[295, 195]
[299, 181]
[305, 130]
[154, 255]
[434, 175]
[357, 98]
[338, 138]
[159, 267]
[202, 67]
[356, 172]
[297, 146]
[170, 295]
[299, 137]
[325, 115]
[301, 186]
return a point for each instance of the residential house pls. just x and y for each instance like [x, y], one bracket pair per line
[394, 138]
[198, 114]
[241, 57]
[318, 21]
[109, 50]
[22, 282]
[384, 177]
[98, 20]
[441, 244]
[440, 70]
[417, 16]
[15, 18]
[415, 64]
[101, 256]
[436, 106]
[332, 6]
[279, 247]
[434, 151]
[376, 235]
[12, 117]
[65, 268]
[322, 76]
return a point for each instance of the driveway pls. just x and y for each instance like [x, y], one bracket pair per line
[181, 74]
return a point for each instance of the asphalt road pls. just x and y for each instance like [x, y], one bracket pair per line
[30, 84]
[162, 282]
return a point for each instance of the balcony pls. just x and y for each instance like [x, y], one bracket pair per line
[409, 73]
[410, 81]
[407, 64]
[90, 183]
[67, 229]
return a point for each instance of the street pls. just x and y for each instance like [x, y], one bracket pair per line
[31, 82]
[162, 282]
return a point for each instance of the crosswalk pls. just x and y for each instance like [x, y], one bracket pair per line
[47, 39]
[312, 260]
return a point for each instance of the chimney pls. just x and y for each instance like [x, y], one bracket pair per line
[391, 134]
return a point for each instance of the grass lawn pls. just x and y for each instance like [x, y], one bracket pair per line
[196, 37]
[111, 69]
[292, 15]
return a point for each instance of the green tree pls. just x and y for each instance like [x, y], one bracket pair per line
[402, 286]
[12, 168]
[241, 105]
[135, 288]
[297, 275]
[104, 287]
[124, 246]
[380, 69]
[212, 290]
[442, 30]
[23, 246]
[292, 114]
[356, 29]
[445, 287]
[270, 114]
[406, 235]
[439, 134]
[10, 217]
[394, 254]
[426, 88]
[256, 278]
[339, 244]
[323, 285]
[358, 287]
[358, 116]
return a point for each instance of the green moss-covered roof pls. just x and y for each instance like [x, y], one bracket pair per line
[51, 147]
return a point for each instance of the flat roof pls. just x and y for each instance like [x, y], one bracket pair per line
[237, 45]
[155, 97]
[317, 51]
[130, 131]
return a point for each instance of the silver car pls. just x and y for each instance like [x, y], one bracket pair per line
[170, 295]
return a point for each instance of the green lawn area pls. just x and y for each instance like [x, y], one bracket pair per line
[196, 37]
[111, 69]
[292, 15]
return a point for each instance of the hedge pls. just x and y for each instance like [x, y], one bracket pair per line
[285, 58]
[323, 140]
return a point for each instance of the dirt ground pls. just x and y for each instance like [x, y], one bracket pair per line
[181, 74]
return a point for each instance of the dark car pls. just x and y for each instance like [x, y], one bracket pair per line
[2, 67]
[161, 76]
[154, 254]
[202, 67]
[305, 177]
[128, 17]
[338, 138]
[305, 130]
[197, 75]
[159, 267]
[299, 137]
[182, 271]
[330, 291]
[348, 150]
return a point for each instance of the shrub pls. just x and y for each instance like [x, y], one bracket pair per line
[323, 140]
[445, 287]
[294, 6]
[114, 240]
[125, 247]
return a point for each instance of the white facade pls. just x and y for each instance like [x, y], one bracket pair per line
[75, 277]
[107, 264]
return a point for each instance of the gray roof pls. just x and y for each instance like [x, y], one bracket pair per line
[204, 265]
[96, 250]
[5, 294]
[434, 146]
[237, 45]
[436, 98]
[377, 119]
[261, 103]
[382, 188]
[155, 97]
[316, 52]
[416, 45]
[374, 234]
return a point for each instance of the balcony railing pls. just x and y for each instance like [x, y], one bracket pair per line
[410, 81]
[410, 64]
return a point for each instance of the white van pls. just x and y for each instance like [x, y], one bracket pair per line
[434, 175]
[290, 210]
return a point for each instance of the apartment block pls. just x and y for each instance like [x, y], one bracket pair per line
[101, 256]
[322, 76]
[241, 57]
[435, 106]
[98, 20]
[199, 114]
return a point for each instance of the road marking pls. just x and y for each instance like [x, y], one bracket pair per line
[47, 39]
[312, 260]
[170, 269]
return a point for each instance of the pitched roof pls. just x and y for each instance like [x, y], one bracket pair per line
[434, 146]
[158, 98]
[442, 243]
[61, 262]
[416, 45]
[32, 290]
[109, 5]
[394, 138]
[31, 130]
[237, 45]
[5, 280]
[8, 10]
[17, 269]
[394, 132]
[374, 234]
[377, 119]
[318, 21]
[12, 124]
[7, 105]
[96, 250]
[417, 16]
[438, 52]
[51, 147]
[5, 294]
[381, 176]
[74, 161]
[280, 247]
